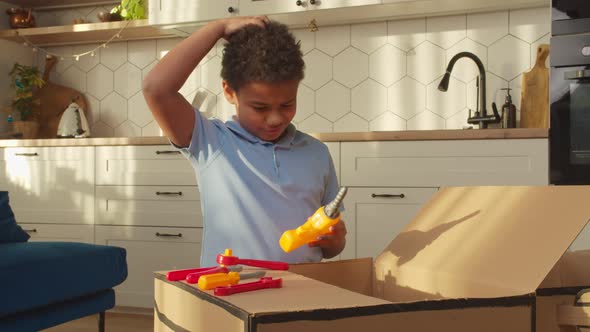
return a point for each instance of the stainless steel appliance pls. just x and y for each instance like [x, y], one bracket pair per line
[570, 93]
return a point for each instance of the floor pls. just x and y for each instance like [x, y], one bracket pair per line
[115, 322]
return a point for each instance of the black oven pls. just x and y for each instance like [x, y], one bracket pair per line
[569, 134]
[570, 16]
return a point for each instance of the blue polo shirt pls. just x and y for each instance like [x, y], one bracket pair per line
[253, 190]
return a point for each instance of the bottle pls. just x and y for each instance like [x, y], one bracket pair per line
[10, 128]
[508, 111]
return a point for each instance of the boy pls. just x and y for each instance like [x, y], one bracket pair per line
[258, 176]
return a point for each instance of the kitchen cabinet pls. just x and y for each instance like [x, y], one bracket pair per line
[150, 249]
[374, 216]
[183, 11]
[53, 185]
[269, 7]
[59, 233]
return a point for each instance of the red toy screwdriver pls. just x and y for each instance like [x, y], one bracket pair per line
[265, 282]
[227, 259]
[193, 278]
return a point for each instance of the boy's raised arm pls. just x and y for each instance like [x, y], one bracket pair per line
[173, 113]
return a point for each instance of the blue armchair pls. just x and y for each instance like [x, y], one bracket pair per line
[43, 284]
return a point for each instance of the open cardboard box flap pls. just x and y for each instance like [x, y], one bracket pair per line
[481, 242]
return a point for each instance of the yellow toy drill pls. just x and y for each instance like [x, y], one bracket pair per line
[316, 225]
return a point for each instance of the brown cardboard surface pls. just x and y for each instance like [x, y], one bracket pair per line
[353, 274]
[517, 319]
[482, 242]
[547, 307]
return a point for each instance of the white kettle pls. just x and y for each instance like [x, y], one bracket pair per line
[73, 123]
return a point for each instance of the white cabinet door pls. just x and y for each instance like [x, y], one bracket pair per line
[150, 249]
[374, 216]
[445, 163]
[326, 4]
[50, 184]
[143, 165]
[184, 11]
[178, 206]
[269, 7]
[60, 233]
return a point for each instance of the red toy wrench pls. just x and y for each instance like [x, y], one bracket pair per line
[265, 282]
[228, 259]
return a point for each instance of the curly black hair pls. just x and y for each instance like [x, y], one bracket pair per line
[268, 54]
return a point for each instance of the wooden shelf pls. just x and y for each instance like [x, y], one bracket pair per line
[86, 33]
[56, 3]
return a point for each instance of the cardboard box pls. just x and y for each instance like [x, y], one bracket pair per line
[473, 259]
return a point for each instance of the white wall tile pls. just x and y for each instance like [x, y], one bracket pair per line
[458, 120]
[333, 101]
[100, 82]
[86, 63]
[465, 69]
[333, 40]
[509, 57]
[225, 111]
[407, 98]
[93, 109]
[369, 99]
[426, 121]
[516, 86]
[127, 80]
[152, 129]
[210, 75]
[305, 103]
[447, 103]
[101, 129]
[142, 53]
[530, 24]
[387, 65]
[114, 55]
[113, 110]
[316, 124]
[128, 129]
[494, 84]
[163, 46]
[351, 123]
[387, 121]
[369, 37]
[318, 69]
[305, 37]
[351, 67]
[487, 28]
[193, 82]
[139, 112]
[426, 62]
[406, 34]
[446, 31]
[74, 78]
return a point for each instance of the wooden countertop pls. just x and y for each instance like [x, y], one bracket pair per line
[410, 135]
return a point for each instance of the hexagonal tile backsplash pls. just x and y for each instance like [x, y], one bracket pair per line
[372, 76]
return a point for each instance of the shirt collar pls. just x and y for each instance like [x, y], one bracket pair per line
[288, 138]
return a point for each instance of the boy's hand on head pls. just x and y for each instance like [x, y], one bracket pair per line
[332, 243]
[234, 24]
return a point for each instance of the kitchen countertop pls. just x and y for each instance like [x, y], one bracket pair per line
[409, 135]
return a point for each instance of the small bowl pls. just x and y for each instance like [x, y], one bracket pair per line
[108, 17]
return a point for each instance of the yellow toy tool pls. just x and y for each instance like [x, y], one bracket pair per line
[210, 281]
[316, 225]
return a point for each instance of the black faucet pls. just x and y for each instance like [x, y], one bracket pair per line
[480, 118]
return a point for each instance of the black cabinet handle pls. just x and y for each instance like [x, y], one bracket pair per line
[299, 3]
[34, 230]
[388, 196]
[168, 193]
[33, 154]
[158, 234]
[313, 2]
[167, 152]
[231, 9]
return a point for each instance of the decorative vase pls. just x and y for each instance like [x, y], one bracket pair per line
[28, 129]
[21, 18]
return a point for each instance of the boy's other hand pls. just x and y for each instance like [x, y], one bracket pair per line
[234, 24]
[332, 243]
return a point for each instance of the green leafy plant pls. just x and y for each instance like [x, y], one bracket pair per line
[131, 9]
[25, 80]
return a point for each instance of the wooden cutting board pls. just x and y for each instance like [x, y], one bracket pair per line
[534, 104]
[54, 99]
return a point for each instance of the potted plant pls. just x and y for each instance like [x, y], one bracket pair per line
[26, 80]
[130, 9]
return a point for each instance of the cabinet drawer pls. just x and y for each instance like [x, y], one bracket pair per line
[61, 233]
[374, 216]
[445, 163]
[147, 252]
[50, 185]
[168, 206]
[143, 165]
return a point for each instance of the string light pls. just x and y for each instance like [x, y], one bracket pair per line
[76, 57]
